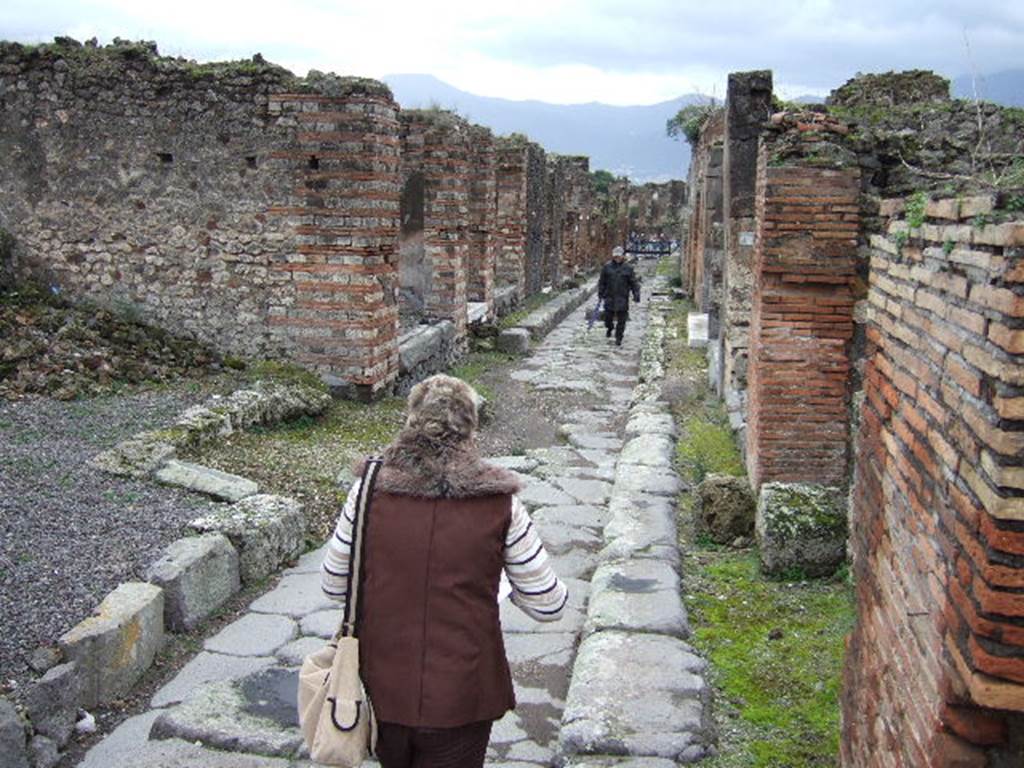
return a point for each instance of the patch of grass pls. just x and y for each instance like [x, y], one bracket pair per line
[472, 367]
[532, 303]
[776, 653]
[284, 372]
[707, 446]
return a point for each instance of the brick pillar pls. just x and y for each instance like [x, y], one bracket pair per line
[511, 215]
[435, 144]
[804, 265]
[483, 213]
[747, 108]
[556, 198]
[935, 667]
[344, 317]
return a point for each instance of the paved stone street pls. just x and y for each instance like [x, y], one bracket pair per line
[232, 706]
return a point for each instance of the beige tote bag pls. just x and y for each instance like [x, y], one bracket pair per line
[335, 713]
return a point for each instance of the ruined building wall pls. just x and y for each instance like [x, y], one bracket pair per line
[656, 210]
[802, 323]
[579, 202]
[520, 218]
[554, 216]
[268, 228]
[483, 212]
[435, 160]
[747, 110]
[536, 172]
[705, 246]
[935, 668]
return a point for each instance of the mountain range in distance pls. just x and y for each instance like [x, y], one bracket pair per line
[627, 141]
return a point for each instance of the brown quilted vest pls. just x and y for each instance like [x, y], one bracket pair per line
[430, 637]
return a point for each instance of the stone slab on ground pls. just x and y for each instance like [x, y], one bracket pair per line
[212, 482]
[650, 423]
[641, 528]
[649, 450]
[198, 575]
[562, 539]
[801, 527]
[13, 747]
[255, 714]
[583, 515]
[115, 646]
[537, 493]
[43, 752]
[266, 530]
[308, 563]
[636, 694]
[632, 479]
[726, 507]
[206, 668]
[294, 652]
[514, 620]
[514, 341]
[296, 595]
[637, 596]
[514, 463]
[254, 634]
[585, 491]
[602, 761]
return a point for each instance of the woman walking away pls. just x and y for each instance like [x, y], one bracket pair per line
[441, 527]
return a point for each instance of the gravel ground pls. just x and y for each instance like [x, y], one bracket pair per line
[68, 533]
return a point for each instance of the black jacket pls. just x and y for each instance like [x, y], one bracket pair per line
[617, 282]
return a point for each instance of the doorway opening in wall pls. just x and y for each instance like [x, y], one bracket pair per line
[414, 273]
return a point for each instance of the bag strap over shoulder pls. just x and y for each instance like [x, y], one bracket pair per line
[351, 613]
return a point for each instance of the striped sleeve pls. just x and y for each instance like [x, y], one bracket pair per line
[536, 590]
[334, 570]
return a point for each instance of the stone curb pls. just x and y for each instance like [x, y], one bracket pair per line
[622, 700]
[540, 322]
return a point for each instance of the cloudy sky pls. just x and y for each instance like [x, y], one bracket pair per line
[565, 51]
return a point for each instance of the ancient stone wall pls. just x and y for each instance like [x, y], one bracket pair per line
[577, 248]
[536, 173]
[436, 159]
[705, 248]
[935, 669]
[483, 212]
[554, 216]
[802, 323]
[267, 228]
[656, 210]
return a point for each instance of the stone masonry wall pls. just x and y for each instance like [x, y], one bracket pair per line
[483, 211]
[267, 228]
[435, 145]
[554, 216]
[536, 173]
[579, 200]
[802, 324]
[510, 267]
[935, 668]
[705, 246]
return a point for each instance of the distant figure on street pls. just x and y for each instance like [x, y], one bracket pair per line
[617, 282]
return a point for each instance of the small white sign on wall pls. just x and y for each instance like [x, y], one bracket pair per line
[746, 238]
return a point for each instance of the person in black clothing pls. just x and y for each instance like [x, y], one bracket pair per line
[617, 282]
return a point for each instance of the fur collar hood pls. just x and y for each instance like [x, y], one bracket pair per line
[425, 467]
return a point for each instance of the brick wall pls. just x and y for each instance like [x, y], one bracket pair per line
[483, 211]
[435, 145]
[935, 666]
[511, 219]
[555, 199]
[579, 201]
[802, 324]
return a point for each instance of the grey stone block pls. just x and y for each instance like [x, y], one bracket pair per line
[13, 752]
[650, 450]
[648, 423]
[538, 493]
[43, 752]
[635, 694]
[116, 646]
[254, 634]
[52, 703]
[634, 479]
[514, 341]
[637, 596]
[597, 761]
[418, 346]
[207, 668]
[296, 651]
[266, 531]
[295, 595]
[212, 482]
[198, 574]
[514, 620]
[585, 491]
[138, 456]
[801, 528]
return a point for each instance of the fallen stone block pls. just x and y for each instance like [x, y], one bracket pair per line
[697, 329]
[13, 751]
[514, 341]
[52, 703]
[726, 507]
[116, 646]
[138, 456]
[801, 529]
[635, 694]
[44, 752]
[212, 482]
[637, 596]
[266, 531]
[198, 575]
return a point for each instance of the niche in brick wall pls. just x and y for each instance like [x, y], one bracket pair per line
[414, 276]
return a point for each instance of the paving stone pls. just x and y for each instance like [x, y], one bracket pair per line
[635, 694]
[255, 714]
[585, 491]
[576, 564]
[596, 441]
[637, 596]
[522, 464]
[266, 531]
[206, 668]
[296, 595]
[309, 562]
[13, 747]
[322, 624]
[296, 651]
[646, 423]
[52, 703]
[198, 575]
[175, 753]
[605, 473]
[600, 458]
[514, 341]
[649, 450]
[43, 752]
[541, 494]
[631, 479]
[585, 515]
[212, 482]
[115, 646]
[514, 620]
[254, 634]
[552, 648]
[594, 761]
[555, 456]
[559, 538]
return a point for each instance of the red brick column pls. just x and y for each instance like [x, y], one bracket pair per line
[935, 665]
[436, 144]
[511, 219]
[802, 323]
[339, 307]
